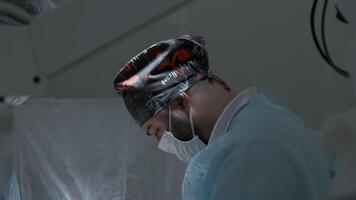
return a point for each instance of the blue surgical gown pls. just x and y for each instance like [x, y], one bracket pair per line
[267, 154]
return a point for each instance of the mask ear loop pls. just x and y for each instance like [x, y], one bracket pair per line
[211, 75]
[191, 122]
[170, 118]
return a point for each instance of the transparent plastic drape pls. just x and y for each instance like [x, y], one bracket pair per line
[88, 149]
[338, 136]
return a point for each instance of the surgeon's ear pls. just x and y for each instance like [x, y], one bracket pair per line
[182, 102]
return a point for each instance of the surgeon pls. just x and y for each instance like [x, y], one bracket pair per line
[244, 145]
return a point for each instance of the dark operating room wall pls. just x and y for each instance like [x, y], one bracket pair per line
[5, 146]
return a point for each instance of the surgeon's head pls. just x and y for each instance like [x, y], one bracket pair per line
[175, 118]
[171, 93]
[202, 102]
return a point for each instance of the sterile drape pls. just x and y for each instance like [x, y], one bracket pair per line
[88, 149]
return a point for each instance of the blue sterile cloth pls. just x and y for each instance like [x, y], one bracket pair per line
[267, 154]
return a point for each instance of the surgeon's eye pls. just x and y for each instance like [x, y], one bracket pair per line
[148, 130]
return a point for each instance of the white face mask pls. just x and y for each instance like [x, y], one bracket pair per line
[184, 150]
